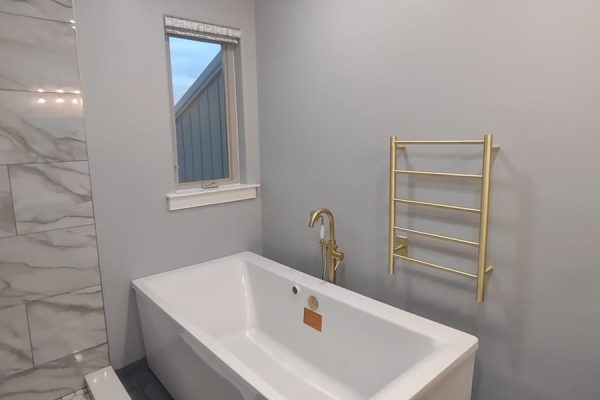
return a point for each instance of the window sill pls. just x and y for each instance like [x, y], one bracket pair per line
[189, 198]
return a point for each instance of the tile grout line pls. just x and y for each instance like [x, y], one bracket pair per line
[49, 230]
[46, 162]
[12, 199]
[61, 294]
[29, 332]
[84, 395]
[37, 367]
[36, 18]
[27, 302]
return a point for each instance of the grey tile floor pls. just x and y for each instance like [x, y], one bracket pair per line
[141, 383]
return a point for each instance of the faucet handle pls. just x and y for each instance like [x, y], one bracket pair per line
[339, 255]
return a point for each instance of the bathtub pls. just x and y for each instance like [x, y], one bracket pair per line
[241, 327]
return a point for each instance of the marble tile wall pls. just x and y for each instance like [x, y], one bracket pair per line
[33, 132]
[66, 324]
[54, 379]
[45, 264]
[52, 325]
[15, 351]
[51, 196]
[36, 54]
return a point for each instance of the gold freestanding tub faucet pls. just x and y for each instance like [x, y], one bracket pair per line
[333, 257]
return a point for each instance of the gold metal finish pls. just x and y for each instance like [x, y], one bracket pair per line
[483, 223]
[429, 173]
[465, 141]
[446, 206]
[333, 256]
[437, 266]
[401, 144]
[398, 245]
[433, 235]
[401, 246]
[393, 148]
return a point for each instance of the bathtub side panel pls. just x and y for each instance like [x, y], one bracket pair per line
[179, 368]
[457, 385]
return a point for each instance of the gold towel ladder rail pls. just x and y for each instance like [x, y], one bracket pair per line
[399, 251]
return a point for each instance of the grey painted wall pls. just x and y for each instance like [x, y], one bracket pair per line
[337, 78]
[123, 63]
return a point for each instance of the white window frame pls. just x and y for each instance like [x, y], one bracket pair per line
[195, 194]
[228, 58]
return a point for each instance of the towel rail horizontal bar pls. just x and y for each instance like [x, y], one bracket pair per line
[401, 144]
[433, 235]
[437, 205]
[459, 141]
[437, 266]
[430, 173]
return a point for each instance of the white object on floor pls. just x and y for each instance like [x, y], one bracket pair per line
[235, 329]
[105, 385]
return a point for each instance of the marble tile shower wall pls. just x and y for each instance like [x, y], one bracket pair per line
[52, 326]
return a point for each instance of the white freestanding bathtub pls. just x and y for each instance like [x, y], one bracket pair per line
[233, 328]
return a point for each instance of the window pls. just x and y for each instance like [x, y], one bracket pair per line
[203, 89]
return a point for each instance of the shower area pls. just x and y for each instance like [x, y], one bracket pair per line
[52, 324]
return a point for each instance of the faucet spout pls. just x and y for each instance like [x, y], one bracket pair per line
[317, 214]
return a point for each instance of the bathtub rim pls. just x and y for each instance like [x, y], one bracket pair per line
[457, 346]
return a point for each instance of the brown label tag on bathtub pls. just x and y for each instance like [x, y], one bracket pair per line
[313, 319]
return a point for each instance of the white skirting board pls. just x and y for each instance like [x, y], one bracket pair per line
[105, 385]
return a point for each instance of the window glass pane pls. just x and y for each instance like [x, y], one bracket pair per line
[198, 89]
